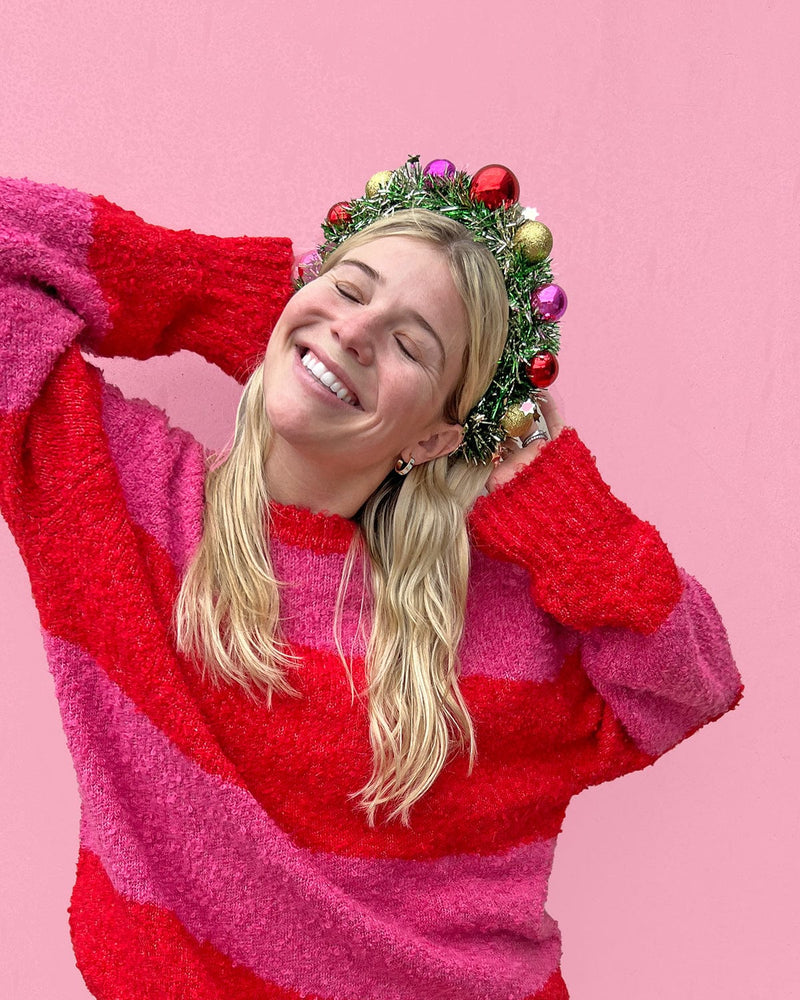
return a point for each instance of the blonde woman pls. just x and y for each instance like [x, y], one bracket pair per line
[328, 693]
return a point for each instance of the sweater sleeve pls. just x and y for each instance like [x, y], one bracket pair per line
[84, 471]
[651, 640]
[141, 290]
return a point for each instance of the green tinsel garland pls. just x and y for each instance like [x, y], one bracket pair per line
[528, 333]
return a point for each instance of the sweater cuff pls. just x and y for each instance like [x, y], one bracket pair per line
[247, 281]
[592, 562]
[169, 290]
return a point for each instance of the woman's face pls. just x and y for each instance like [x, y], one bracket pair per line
[362, 359]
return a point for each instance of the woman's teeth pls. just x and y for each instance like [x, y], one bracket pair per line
[321, 373]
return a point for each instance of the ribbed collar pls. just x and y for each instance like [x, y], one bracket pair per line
[323, 532]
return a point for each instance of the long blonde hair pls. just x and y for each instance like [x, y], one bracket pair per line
[413, 531]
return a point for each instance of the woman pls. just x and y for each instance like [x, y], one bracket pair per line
[327, 709]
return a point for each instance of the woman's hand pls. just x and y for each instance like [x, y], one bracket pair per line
[514, 457]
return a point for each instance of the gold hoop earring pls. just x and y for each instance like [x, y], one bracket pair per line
[403, 468]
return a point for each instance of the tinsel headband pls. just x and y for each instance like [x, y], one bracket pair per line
[486, 203]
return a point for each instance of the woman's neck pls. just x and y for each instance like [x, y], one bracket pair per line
[332, 487]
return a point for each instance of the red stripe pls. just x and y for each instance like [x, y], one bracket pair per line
[554, 989]
[322, 533]
[538, 744]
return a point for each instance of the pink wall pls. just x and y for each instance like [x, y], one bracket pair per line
[660, 144]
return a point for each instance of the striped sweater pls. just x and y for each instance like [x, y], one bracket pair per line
[221, 853]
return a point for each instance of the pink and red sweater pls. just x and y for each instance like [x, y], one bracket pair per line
[220, 855]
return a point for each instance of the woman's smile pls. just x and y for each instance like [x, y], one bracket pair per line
[323, 379]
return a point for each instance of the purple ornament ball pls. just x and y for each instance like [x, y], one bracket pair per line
[438, 170]
[550, 301]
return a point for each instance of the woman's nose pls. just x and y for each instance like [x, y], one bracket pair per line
[356, 334]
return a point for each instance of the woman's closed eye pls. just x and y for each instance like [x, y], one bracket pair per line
[405, 350]
[352, 295]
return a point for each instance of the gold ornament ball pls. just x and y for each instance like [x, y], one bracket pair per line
[534, 240]
[516, 423]
[377, 181]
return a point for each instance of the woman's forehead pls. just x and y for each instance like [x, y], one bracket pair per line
[396, 248]
[414, 269]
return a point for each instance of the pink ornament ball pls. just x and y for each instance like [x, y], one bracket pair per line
[438, 170]
[308, 266]
[550, 301]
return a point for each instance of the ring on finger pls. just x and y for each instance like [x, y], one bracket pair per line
[539, 435]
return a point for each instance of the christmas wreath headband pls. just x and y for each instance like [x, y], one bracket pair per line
[486, 203]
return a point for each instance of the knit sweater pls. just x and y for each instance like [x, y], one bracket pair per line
[221, 850]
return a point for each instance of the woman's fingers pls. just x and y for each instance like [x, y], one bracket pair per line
[511, 459]
[511, 456]
[552, 417]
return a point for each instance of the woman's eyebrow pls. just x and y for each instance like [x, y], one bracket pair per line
[378, 277]
[369, 271]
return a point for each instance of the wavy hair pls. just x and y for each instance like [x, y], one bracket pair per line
[412, 530]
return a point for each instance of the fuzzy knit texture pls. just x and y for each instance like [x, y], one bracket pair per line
[220, 854]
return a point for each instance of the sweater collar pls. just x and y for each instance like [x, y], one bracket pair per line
[300, 527]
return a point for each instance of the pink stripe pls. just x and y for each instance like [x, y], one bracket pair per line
[170, 834]
[161, 472]
[309, 598]
[34, 331]
[45, 233]
[664, 685]
[498, 603]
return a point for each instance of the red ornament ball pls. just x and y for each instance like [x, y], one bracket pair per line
[494, 185]
[543, 370]
[339, 213]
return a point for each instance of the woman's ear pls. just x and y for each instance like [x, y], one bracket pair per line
[445, 439]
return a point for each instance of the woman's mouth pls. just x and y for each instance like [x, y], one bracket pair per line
[317, 369]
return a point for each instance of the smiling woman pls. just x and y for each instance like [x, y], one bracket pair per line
[413, 381]
[329, 692]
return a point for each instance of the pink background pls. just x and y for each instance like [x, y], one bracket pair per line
[660, 144]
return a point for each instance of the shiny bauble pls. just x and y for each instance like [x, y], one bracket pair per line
[377, 181]
[516, 423]
[534, 241]
[494, 185]
[542, 370]
[308, 266]
[438, 170]
[338, 214]
[549, 301]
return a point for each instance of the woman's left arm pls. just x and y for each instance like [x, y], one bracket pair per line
[652, 641]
